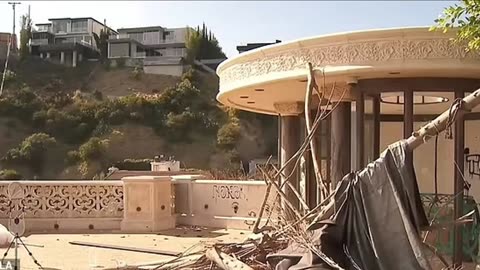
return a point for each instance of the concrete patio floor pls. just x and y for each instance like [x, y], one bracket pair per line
[57, 253]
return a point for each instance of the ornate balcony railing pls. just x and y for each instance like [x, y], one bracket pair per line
[66, 199]
[440, 209]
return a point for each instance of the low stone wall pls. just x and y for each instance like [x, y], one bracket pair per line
[65, 205]
[218, 203]
[134, 204]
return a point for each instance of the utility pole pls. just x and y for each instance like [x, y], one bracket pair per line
[13, 6]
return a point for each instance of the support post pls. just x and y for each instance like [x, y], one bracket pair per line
[407, 113]
[290, 143]
[360, 128]
[408, 123]
[48, 55]
[62, 57]
[340, 142]
[80, 57]
[376, 127]
[74, 58]
[458, 190]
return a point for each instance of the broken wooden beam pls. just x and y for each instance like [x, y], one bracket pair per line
[133, 249]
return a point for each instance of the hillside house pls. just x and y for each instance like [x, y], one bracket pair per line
[67, 40]
[159, 50]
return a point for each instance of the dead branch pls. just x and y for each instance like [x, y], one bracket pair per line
[280, 192]
[311, 84]
[262, 208]
[439, 124]
[225, 261]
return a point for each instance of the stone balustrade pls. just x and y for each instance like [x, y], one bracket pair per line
[133, 204]
[66, 205]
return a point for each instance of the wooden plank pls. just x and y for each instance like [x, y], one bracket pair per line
[133, 249]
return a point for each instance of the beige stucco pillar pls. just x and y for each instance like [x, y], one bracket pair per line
[62, 57]
[148, 204]
[74, 59]
[290, 140]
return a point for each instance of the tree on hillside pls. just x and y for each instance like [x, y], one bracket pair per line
[31, 152]
[464, 16]
[202, 44]
[102, 44]
[25, 35]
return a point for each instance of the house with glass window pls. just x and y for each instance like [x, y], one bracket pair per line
[67, 40]
[158, 49]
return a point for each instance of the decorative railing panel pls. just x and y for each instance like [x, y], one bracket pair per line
[66, 199]
[439, 209]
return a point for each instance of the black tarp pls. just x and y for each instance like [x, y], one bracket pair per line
[375, 224]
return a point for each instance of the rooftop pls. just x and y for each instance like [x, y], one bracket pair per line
[145, 28]
[77, 18]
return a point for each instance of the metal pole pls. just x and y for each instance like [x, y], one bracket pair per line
[13, 31]
[458, 190]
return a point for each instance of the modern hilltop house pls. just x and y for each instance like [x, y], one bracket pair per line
[67, 40]
[159, 50]
[387, 83]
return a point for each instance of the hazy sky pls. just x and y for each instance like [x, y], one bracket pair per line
[236, 23]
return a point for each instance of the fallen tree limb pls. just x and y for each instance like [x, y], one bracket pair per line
[308, 123]
[225, 261]
[439, 124]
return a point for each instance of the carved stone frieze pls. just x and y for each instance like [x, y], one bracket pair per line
[367, 52]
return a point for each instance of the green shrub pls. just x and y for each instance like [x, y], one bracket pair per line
[93, 149]
[10, 175]
[30, 152]
[228, 134]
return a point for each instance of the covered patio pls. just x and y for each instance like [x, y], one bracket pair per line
[387, 84]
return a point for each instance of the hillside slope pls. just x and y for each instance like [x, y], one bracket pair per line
[93, 117]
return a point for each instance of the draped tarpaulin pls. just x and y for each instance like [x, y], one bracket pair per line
[375, 225]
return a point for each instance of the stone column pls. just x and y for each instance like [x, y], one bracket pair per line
[74, 59]
[147, 204]
[48, 55]
[41, 55]
[289, 144]
[62, 57]
[359, 128]
[340, 142]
